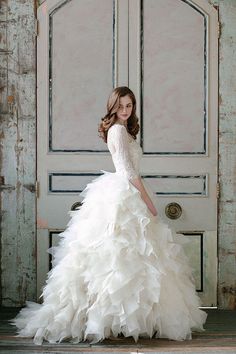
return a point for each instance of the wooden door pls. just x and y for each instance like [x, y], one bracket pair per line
[75, 74]
[173, 69]
[166, 52]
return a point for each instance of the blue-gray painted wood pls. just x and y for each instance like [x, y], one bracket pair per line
[227, 153]
[18, 118]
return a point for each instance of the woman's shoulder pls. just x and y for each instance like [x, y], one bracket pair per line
[117, 128]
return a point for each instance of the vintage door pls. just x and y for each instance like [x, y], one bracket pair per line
[166, 52]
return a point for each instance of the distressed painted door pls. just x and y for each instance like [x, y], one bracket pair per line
[166, 52]
[76, 72]
[173, 70]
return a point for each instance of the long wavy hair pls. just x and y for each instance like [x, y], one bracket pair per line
[112, 107]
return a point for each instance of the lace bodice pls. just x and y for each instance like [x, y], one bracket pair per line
[125, 151]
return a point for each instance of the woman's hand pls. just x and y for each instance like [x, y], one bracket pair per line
[153, 210]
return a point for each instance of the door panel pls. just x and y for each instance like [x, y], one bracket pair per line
[166, 52]
[75, 73]
[174, 74]
[176, 80]
[78, 65]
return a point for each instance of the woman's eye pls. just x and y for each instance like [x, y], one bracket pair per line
[129, 106]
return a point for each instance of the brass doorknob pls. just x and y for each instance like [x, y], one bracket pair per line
[173, 210]
[76, 206]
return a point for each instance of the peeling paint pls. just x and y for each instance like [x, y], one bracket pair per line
[18, 153]
[227, 152]
[42, 224]
[229, 294]
[229, 290]
[30, 187]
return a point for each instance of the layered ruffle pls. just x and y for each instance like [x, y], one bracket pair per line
[117, 269]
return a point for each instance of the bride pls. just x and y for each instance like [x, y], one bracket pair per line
[118, 269]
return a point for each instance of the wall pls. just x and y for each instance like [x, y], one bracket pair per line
[227, 153]
[17, 151]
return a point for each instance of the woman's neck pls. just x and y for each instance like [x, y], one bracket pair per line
[122, 122]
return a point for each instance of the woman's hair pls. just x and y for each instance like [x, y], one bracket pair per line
[112, 107]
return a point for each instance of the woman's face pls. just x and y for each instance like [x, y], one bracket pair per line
[125, 108]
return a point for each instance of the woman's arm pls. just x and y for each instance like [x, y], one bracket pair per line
[137, 182]
[118, 137]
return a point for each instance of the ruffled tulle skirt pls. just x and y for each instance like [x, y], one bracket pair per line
[117, 270]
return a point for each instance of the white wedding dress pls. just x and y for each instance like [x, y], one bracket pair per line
[117, 269]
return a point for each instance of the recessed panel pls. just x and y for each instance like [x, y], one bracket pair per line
[80, 73]
[174, 72]
[178, 185]
[69, 182]
[194, 251]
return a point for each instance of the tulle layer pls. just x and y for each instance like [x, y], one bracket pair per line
[117, 269]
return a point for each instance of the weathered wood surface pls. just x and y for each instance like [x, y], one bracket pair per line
[17, 151]
[227, 153]
[219, 337]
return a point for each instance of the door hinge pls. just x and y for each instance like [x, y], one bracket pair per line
[37, 189]
[36, 27]
[219, 29]
[218, 190]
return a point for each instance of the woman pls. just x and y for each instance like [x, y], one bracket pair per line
[118, 268]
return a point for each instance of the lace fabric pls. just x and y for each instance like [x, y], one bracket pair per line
[124, 150]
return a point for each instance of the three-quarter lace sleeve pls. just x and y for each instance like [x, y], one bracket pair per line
[118, 144]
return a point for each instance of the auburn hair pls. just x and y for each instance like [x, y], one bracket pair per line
[112, 107]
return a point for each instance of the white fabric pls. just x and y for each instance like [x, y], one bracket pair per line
[117, 268]
[125, 156]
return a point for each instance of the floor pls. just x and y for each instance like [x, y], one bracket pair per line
[219, 337]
